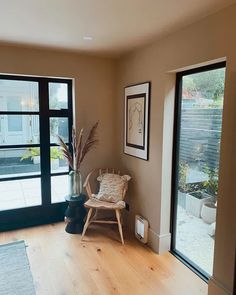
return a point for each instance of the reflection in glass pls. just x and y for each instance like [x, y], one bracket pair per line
[58, 96]
[199, 149]
[15, 123]
[58, 126]
[20, 193]
[59, 187]
[58, 163]
[19, 129]
[19, 162]
[19, 95]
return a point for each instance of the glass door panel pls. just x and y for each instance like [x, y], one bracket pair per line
[20, 129]
[57, 162]
[59, 188]
[197, 152]
[33, 112]
[58, 96]
[59, 126]
[20, 193]
[19, 96]
[19, 162]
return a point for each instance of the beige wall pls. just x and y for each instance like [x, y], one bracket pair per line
[210, 39]
[99, 95]
[94, 89]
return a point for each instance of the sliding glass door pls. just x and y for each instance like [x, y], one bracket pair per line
[33, 173]
[199, 107]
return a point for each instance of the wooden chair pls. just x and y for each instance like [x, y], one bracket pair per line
[94, 204]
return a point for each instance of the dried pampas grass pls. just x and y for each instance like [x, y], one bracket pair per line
[80, 147]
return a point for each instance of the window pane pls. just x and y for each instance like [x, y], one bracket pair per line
[19, 129]
[13, 103]
[20, 193]
[58, 126]
[59, 187]
[199, 150]
[18, 95]
[15, 123]
[58, 163]
[58, 96]
[19, 162]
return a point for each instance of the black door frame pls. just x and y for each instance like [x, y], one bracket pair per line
[175, 164]
[46, 212]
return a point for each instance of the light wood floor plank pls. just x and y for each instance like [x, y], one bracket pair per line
[63, 265]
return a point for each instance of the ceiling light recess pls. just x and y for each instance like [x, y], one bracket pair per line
[88, 38]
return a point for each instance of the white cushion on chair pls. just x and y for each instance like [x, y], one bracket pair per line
[111, 187]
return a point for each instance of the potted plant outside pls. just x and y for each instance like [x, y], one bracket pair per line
[208, 212]
[182, 183]
[55, 157]
[190, 195]
[34, 154]
[195, 201]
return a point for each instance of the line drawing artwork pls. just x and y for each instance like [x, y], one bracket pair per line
[135, 121]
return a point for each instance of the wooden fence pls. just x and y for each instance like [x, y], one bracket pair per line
[200, 136]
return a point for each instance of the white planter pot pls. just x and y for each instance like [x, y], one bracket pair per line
[194, 205]
[36, 159]
[208, 212]
[182, 199]
[54, 164]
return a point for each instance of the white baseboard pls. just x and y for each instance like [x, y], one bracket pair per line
[159, 243]
[216, 288]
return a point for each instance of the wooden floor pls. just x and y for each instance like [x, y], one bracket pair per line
[63, 265]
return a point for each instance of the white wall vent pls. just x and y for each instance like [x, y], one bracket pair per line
[141, 229]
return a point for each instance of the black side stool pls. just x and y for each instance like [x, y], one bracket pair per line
[75, 214]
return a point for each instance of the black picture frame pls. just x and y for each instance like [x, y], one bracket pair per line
[137, 116]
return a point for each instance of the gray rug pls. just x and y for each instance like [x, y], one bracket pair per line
[15, 274]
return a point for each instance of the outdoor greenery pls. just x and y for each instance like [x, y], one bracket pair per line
[183, 171]
[201, 123]
[55, 153]
[208, 85]
[31, 153]
[185, 187]
[209, 186]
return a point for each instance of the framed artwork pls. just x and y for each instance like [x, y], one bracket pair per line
[136, 131]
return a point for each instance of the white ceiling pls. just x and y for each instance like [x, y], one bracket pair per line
[115, 25]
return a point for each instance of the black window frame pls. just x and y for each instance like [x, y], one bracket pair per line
[46, 212]
[175, 165]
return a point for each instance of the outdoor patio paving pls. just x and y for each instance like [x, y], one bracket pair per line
[193, 241]
[27, 192]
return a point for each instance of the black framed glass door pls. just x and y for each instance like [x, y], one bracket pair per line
[196, 153]
[33, 173]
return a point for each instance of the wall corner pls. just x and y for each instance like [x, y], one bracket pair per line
[159, 243]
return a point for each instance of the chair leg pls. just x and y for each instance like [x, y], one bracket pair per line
[95, 215]
[86, 223]
[119, 225]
